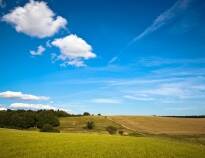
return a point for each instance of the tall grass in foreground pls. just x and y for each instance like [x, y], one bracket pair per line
[22, 144]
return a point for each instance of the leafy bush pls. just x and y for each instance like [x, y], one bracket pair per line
[121, 132]
[90, 125]
[86, 114]
[111, 129]
[48, 128]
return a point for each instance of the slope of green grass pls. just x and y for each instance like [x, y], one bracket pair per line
[24, 144]
[78, 124]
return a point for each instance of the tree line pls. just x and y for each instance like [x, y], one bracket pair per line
[24, 119]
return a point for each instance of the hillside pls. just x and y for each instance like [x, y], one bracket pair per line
[162, 125]
[77, 124]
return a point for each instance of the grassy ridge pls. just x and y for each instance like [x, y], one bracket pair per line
[162, 125]
[77, 124]
[22, 144]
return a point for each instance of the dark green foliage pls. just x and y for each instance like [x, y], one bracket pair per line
[46, 117]
[22, 119]
[48, 128]
[60, 113]
[111, 129]
[17, 119]
[121, 132]
[86, 114]
[90, 125]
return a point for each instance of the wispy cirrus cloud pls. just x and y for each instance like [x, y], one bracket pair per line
[21, 96]
[138, 97]
[179, 7]
[156, 61]
[165, 18]
[106, 101]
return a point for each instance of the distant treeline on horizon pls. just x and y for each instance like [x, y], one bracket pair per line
[191, 116]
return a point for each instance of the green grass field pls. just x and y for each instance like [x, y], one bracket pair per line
[28, 144]
[75, 141]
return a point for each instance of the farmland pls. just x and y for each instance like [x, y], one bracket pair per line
[151, 139]
[162, 125]
[31, 144]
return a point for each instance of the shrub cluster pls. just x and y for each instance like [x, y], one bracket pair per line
[90, 125]
[48, 128]
[111, 129]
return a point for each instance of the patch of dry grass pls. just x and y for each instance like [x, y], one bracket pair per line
[162, 125]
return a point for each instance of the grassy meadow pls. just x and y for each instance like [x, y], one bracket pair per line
[75, 141]
[31, 144]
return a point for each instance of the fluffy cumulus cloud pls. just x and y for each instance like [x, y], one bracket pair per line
[26, 106]
[74, 50]
[35, 19]
[38, 52]
[21, 96]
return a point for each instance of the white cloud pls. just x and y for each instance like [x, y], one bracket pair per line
[74, 50]
[138, 98]
[74, 62]
[35, 19]
[35, 107]
[106, 101]
[21, 96]
[39, 51]
[30, 106]
[165, 18]
[112, 60]
[156, 61]
[2, 108]
[169, 90]
[180, 90]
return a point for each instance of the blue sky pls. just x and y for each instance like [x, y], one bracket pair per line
[110, 57]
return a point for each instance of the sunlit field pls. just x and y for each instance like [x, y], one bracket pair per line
[26, 144]
[162, 125]
[102, 78]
